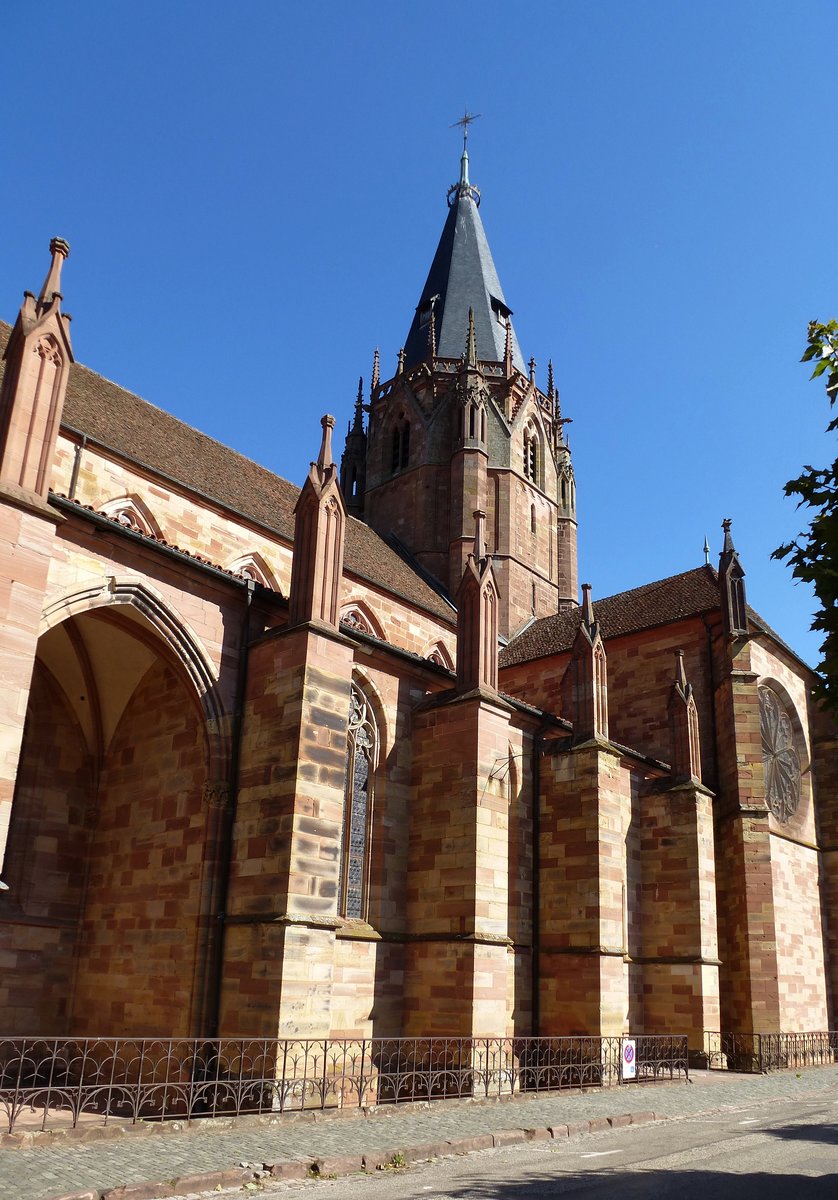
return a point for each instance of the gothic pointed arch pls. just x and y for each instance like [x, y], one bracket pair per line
[254, 566]
[180, 640]
[362, 751]
[437, 652]
[400, 443]
[532, 451]
[131, 511]
[359, 616]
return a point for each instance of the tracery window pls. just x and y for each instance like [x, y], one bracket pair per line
[131, 512]
[361, 757]
[779, 756]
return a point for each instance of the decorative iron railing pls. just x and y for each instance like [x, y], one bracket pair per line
[47, 1082]
[758, 1053]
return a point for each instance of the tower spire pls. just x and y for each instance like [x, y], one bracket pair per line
[358, 417]
[463, 276]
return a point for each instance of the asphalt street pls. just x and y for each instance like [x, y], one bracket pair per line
[787, 1150]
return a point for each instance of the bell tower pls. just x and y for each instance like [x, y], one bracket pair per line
[463, 426]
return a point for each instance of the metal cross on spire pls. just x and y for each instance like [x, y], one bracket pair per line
[465, 120]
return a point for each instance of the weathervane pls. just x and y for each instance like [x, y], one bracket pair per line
[465, 120]
[464, 187]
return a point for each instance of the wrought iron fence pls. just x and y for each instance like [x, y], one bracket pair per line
[758, 1053]
[45, 1082]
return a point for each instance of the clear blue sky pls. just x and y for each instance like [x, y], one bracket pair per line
[253, 195]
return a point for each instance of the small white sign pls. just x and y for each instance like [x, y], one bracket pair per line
[629, 1059]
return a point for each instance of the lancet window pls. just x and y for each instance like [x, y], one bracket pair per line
[400, 455]
[532, 455]
[361, 758]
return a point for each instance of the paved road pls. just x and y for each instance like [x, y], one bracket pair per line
[37, 1174]
[783, 1151]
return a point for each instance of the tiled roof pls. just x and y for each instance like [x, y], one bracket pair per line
[674, 599]
[152, 438]
[660, 603]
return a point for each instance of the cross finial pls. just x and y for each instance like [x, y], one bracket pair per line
[465, 120]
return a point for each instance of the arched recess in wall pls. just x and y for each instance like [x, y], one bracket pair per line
[175, 633]
[117, 820]
[437, 653]
[358, 615]
[254, 566]
[533, 453]
[785, 753]
[365, 736]
[132, 512]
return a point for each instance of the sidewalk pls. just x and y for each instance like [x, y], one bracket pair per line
[133, 1155]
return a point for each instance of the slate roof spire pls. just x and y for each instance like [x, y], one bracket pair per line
[462, 276]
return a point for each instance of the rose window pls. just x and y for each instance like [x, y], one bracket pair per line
[779, 757]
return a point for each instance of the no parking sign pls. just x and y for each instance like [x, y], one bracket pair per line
[629, 1058]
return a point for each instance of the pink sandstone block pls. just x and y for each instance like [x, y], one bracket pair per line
[339, 1164]
[140, 1191]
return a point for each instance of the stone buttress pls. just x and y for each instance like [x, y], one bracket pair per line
[750, 1000]
[38, 358]
[678, 942]
[585, 813]
[459, 977]
[282, 913]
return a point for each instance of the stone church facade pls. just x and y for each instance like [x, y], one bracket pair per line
[359, 760]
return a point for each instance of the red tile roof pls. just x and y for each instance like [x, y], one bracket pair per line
[668, 600]
[679, 596]
[153, 439]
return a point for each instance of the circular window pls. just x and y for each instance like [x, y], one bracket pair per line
[779, 757]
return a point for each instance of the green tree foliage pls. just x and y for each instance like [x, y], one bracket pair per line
[813, 555]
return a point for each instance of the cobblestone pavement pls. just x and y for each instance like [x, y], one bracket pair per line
[42, 1172]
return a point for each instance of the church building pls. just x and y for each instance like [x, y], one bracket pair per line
[362, 759]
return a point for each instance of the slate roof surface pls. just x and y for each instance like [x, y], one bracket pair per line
[463, 276]
[673, 599]
[152, 438]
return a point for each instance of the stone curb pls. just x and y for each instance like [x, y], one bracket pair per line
[332, 1166]
[42, 1139]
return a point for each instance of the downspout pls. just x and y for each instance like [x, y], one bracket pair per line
[74, 478]
[225, 857]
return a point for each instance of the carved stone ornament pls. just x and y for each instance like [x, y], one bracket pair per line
[216, 793]
[356, 620]
[780, 759]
